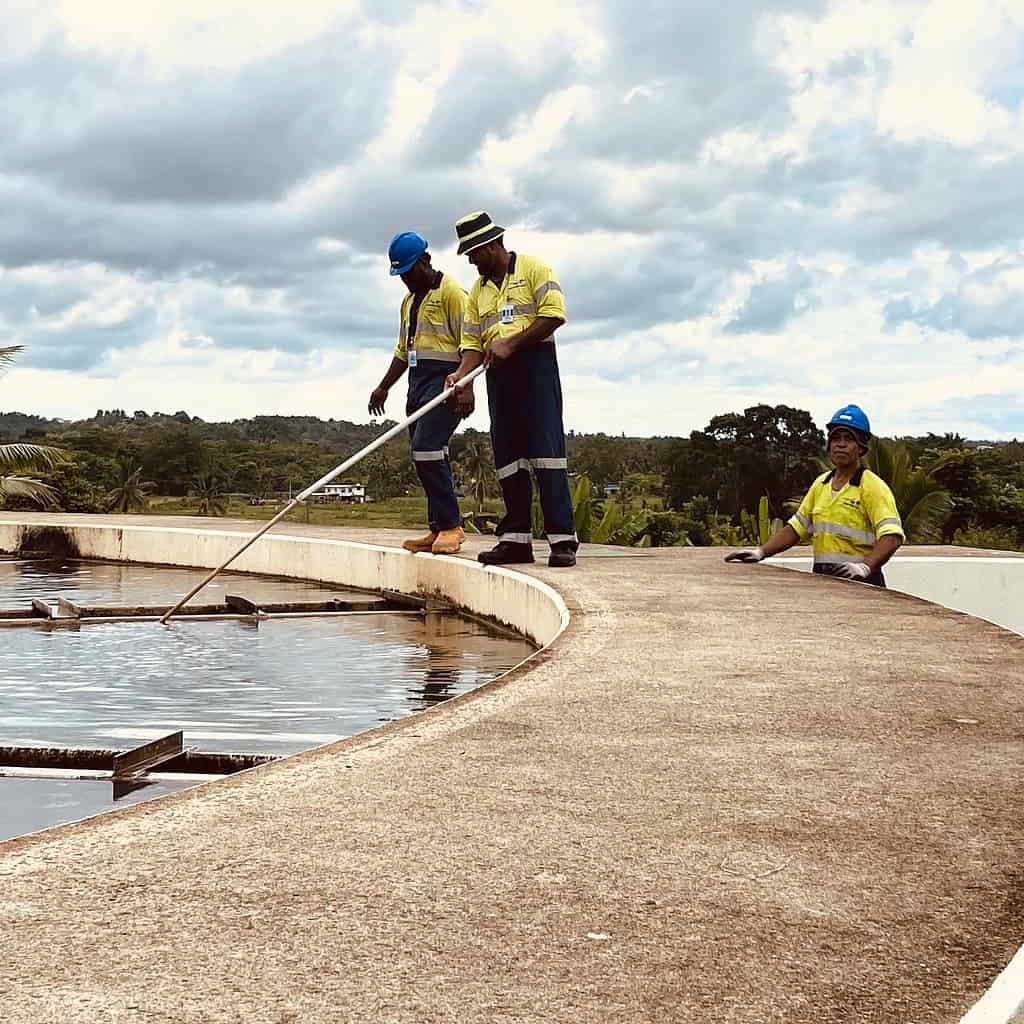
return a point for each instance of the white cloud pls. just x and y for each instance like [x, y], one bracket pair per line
[798, 202]
[204, 33]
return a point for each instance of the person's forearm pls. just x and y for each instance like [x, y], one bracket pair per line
[540, 330]
[884, 549]
[395, 371]
[779, 542]
[471, 359]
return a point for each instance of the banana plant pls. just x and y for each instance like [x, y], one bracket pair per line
[758, 530]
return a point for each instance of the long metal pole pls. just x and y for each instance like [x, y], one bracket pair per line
[347, 464]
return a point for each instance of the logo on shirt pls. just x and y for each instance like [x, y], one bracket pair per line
[851, 502]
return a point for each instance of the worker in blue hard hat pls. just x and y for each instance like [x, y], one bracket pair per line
[430, 332]
[849, 512]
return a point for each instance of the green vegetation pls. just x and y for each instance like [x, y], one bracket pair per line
[19, 457]
[923, 502]
[130, 491]
[756, 530]
[730, 483]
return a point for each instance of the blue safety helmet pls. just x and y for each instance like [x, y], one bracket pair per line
[405, 249]
[855, 420]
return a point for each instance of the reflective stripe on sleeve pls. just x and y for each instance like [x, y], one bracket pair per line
[473, 330]
[512, 468]
[488, 322]
[803, 521]
[839, 530]
[891, 521]
[547, 286]
[435, 456]
[516, 538]
[549, 463]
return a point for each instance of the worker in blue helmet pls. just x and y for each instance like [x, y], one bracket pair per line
[430, 330]
[849, 512]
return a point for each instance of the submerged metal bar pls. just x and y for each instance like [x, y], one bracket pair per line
[221, 616]
[148, 755]
[195, 762]
[234, 606]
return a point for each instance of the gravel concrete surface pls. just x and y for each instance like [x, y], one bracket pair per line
[728, 793]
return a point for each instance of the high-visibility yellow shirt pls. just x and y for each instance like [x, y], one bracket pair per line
[530, 290]
[431, 323]
[844, 525]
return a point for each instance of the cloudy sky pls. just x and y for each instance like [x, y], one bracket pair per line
[748, 201]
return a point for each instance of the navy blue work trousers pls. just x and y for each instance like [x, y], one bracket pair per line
[524, 395]
[429, 437]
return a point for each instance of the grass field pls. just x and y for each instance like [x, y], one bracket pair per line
[408, 512]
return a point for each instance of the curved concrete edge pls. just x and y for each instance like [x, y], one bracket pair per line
[513, 599]
[1003, 1003]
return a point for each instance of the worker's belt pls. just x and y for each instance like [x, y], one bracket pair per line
[423, 354]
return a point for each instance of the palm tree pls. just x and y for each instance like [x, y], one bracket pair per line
[477, 466]
[207, 488]
[130, 492]
[16, 459]
[923, 502]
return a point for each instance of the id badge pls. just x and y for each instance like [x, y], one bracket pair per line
[412, 357]
[507, 313]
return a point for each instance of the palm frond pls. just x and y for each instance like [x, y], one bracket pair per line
[7, 354]
[18, 457]
[23, 487]
[923, 524]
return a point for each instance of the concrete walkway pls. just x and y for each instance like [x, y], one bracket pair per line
[728, 793]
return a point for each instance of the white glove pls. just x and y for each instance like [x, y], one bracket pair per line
[749, 555]
[854, 570]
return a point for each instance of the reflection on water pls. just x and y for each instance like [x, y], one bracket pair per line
[272, 686]
[31, 804]
[109, 583]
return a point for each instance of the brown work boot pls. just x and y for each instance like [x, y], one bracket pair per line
[420, 543]
[449, 541]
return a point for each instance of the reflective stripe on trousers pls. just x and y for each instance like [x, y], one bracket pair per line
[524, 396]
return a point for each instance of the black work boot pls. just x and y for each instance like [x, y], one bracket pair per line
[507, 553]
[563, 554]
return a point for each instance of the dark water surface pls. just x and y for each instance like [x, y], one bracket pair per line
[27, 805]
[274, 686]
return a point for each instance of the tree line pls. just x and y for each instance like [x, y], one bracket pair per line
[703, 489]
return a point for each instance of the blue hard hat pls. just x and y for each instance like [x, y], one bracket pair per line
[854, 419]
[405, 249]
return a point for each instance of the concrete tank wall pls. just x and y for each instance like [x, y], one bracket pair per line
[990, 588]
[514, 599]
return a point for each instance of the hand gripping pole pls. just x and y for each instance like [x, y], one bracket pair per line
[337, 471]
